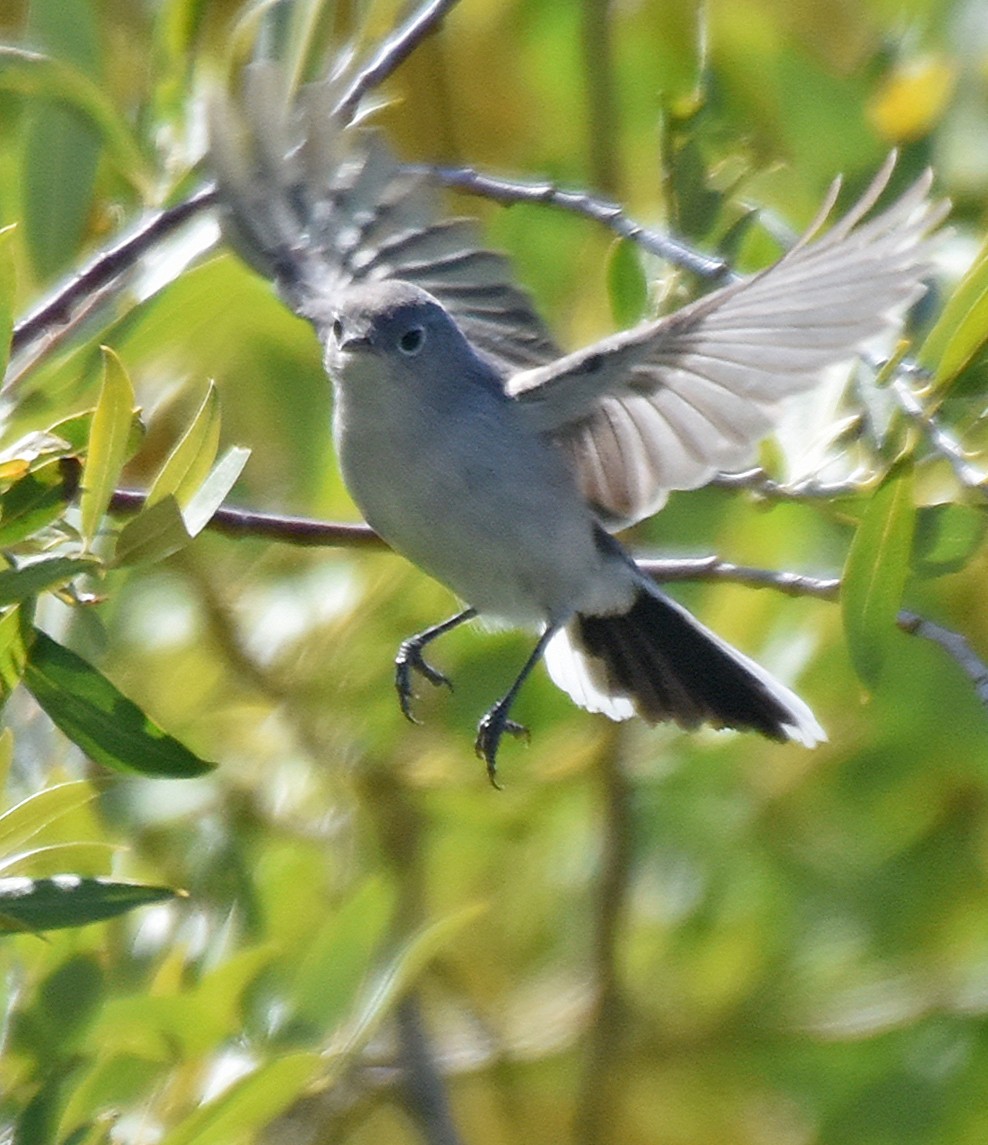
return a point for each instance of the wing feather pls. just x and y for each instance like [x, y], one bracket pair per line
[705, 384]
[316, 205]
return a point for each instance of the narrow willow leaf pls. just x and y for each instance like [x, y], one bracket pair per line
[627, 286]
[34, 74]
[13, 651]
[19, 584]
[250, 1103]
[875, 573]
[94, 858]
[212, 493]
[39, 498]
[947, 537]
[107, 443]
[40, 810]
[69, 900]
[189, 462]
[7, 288]
[152, 535]
[95, 715]
[388, 988]
[961, 331]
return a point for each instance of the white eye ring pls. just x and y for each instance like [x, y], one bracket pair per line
[412, 340]
[337, 330]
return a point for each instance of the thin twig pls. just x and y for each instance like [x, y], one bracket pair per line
[602, 211]
[306, 531]
[393, 52]
[940, 440]
[758, 482]
[245, 523]
[954, 644]
[105, 267]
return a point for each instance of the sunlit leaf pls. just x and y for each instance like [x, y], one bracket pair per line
[187, 465]
[69, 900]
[152, 535]
[627, 285]
[84, 858]
[38, 499]
[961, 331]
[34, 74]
[40, 810]
[97, 717]
[947, 536]
[387, 988]
[876, 571]
[30, 579]
[13, 651]
[108, 441]
[213, 491]
[7, 287]
[249, 1103]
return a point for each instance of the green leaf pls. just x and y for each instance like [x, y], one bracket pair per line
[961, 331]
[249, 1103]
[13, 651]
[8, 285]
[189, 462]
[91, 711]
[35, 75]
[69, 900]
[37, 499]
[627, 286]
[212, 493]
[875, 573]
[152, 535]
[30, 579]
[40, 810]
[107, 443]
[947, 537]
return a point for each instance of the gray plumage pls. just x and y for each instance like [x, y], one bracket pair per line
[496, 462]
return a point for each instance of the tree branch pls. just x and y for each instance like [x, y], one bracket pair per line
[393, 52]
[58, 308]
[305, 531]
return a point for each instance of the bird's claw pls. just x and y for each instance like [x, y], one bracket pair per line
[409, 660]
[489, 732]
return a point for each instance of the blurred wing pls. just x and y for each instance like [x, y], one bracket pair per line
[316, 205]
[668, 404]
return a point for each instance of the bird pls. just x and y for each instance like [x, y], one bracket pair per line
[503, 466]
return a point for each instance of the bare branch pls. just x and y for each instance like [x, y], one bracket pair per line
[942, 442]
[244, 523]
[58, 308]
[305, 531]
[393, 52]
[602, 211]
[757, 482]
[954, 644]
[712, 568]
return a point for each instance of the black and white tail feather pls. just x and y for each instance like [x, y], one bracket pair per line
[318, 205]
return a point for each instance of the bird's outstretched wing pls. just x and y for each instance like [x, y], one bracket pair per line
[671, 402]
[316, 204]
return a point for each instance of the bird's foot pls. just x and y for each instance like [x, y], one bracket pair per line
[489, 732]
[409, 660]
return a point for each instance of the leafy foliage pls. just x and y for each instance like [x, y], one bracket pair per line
[647, 937]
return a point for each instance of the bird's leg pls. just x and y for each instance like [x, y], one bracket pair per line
[496, 722]
[410, 659]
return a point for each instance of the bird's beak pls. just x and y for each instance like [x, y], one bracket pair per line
[354, 343]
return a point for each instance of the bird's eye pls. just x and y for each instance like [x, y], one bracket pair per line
[412, 340]
[337, 329]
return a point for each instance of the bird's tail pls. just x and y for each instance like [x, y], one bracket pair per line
[659, 662]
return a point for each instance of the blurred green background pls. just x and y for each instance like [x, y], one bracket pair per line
[648, 937]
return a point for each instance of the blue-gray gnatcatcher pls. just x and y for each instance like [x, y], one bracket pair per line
[500, 465]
